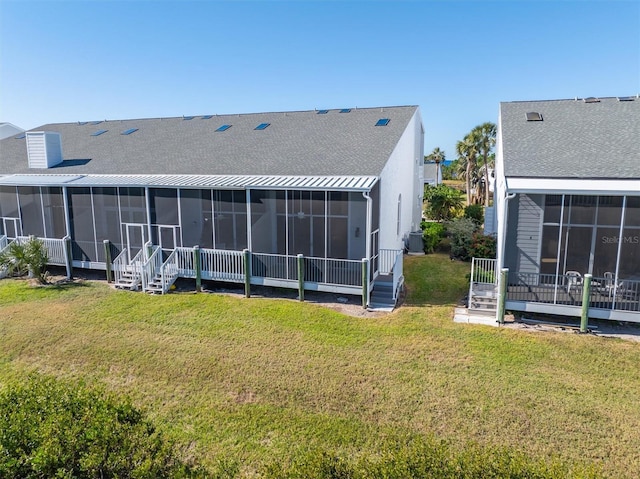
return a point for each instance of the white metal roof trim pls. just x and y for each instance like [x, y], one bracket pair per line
[231, 181]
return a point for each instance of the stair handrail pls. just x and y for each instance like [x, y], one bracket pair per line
[169, 271]
[4, 243]
[119, 265]
[136, 266]
[152, 264]
[398, 274]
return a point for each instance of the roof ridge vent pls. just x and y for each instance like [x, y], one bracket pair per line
[44, 149]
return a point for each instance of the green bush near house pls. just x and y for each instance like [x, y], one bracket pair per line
[460, 232]
[30, 257]
[432, 234]
[475, 212]
[482, 246]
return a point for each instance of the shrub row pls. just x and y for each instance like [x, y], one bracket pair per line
[426, 458]
[53, 428]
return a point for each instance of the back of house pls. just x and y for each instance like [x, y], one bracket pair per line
[335, 186]
[568, 205]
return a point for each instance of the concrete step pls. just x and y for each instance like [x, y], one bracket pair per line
[386, 307]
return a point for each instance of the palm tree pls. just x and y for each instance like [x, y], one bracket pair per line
[437, 156]
[485, 139]
[467, 158]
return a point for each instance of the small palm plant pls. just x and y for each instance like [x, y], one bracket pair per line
[28, 257]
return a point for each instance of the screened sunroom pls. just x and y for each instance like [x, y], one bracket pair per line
[554, 240]
[333, 230]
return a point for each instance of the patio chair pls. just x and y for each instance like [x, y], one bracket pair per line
[609, 284]
[573, 278]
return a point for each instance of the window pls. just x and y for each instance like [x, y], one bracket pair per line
[383, 122]
[99, 132]
[129, 131]
[262, 126]
[322, 112]
[223, 128]
[345, 110]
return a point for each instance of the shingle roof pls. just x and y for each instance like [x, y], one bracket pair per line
[575, 139]
[295, 143]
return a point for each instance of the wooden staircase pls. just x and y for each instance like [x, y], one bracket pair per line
[129, 277]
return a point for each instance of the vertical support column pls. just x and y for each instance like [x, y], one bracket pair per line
[68, 256]
[502, 293]
[246, 259]
[107, 258]
[301, 277]
[197, 265]
[586, 295]
[365, 283]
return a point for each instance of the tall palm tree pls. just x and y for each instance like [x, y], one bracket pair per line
[437, 156]
[484, 137]
[467, 157]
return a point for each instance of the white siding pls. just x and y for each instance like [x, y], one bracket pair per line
[402, 175]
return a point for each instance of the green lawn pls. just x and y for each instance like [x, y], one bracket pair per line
[256, 381]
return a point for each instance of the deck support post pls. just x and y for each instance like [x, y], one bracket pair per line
[301, 277]
[197, 266]
[586, 295]
[365, 283]
[107, 258]
[68, 256]
[502, 293]
[246, 259]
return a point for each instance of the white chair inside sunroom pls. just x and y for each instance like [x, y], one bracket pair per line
[609, 284]
[572, 278]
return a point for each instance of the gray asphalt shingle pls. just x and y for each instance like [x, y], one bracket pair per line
[575, 139]
[295, 143]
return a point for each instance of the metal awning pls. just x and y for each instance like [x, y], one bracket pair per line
[345, 183]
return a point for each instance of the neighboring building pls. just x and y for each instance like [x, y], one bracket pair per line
[432, 174]
[568, 204]
[341, 187]
[8, 129]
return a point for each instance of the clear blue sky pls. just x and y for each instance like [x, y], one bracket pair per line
[66, 61]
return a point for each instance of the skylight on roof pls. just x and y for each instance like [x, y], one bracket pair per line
[224, 128]
[626, 98]
[262, 126]
[129, 131]
[82, 122]
[383, 122]
[100, 132]
[207, 117]
[96, 122]
[592, 99]
[345, 110]
[534, 116]
[322, 112]
[187, 118]
[20, 136]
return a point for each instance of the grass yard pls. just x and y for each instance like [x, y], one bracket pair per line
[243, 383]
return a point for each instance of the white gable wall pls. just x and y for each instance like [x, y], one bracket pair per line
[402, 177]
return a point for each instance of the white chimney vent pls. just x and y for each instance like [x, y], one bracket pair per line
[44, 149]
